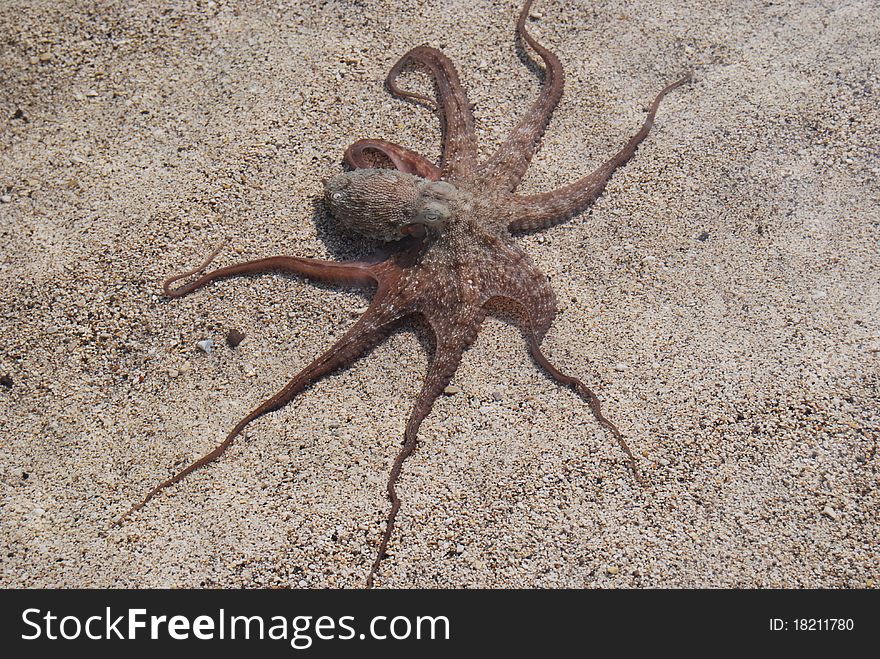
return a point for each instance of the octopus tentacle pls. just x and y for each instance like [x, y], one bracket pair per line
[365, 333]
[401, 157]
[459, 148]
[506, 167]
[447, 357]
[166, 285]
[515, 277]
[587, 394]
[350, 272]
[543, 210]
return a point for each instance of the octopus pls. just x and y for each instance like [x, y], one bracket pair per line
[449, 230]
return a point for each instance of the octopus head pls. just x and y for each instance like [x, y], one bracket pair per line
[390, 205]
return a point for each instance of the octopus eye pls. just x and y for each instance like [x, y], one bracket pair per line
[336, 196]
[434, 214]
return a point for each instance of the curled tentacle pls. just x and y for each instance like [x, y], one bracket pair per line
[457, 121]
[543, 210]
[506, 167]
[166, 285]
[401, 157]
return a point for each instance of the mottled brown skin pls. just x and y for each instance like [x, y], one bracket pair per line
[451, 224]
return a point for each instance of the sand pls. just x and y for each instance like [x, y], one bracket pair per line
[721, 297]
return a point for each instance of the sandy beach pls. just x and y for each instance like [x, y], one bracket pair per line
[722, 298]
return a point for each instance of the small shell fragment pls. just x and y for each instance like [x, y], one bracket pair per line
[234, 337]
[205, 346]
